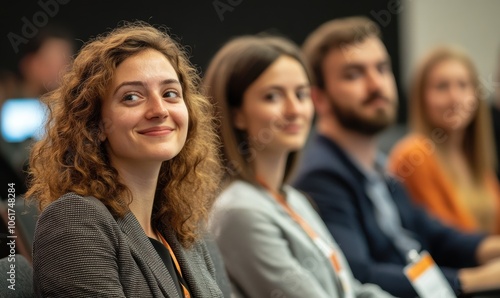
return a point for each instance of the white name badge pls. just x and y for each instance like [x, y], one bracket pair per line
[427, 279]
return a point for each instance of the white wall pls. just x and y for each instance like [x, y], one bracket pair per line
[474, 25]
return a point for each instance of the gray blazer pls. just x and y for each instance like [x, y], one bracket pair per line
[81, 250]
[267, 254]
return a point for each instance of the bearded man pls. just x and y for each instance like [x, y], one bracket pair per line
[368, 212]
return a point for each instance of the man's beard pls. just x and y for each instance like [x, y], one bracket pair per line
[350, 119]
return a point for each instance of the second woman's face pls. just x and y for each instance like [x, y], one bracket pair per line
[277, 110]
[450, 100]
[144, 116]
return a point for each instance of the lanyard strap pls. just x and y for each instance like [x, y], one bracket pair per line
[326, 249]
[172, 255]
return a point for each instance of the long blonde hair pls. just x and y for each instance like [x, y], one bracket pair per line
[478, 141]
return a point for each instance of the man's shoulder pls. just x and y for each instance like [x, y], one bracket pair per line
[414, 157]
[321, 154]
[323, 158]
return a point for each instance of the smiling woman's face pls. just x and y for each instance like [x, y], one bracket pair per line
[449, 96]
[277, 109]
[144, 116]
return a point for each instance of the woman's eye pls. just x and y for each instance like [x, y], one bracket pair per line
[273, 96]
[463, 85]
[171, 94]
[130, 97]
[303, 94]
[442, 86]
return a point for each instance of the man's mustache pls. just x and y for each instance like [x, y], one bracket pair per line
[376, 96]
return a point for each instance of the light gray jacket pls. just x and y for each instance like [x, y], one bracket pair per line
[81, 250]
[267, 254]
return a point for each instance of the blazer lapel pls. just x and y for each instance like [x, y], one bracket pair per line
[195, 269]
[146, 255]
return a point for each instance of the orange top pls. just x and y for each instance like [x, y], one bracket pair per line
[414, 160]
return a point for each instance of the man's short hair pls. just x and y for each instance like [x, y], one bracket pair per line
[335, 34]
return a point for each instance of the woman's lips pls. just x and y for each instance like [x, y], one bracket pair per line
[292, 128]
[157, 131]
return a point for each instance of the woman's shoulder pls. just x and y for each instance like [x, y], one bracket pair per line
[73, 206]
[73, 219]
[413, 156]
[412, 146]
[409, 143]
[242, 197]
[238, 186]
[239, 193]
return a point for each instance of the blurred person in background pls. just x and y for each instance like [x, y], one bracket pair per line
[447, 162]
[382, 233]
[44, 60]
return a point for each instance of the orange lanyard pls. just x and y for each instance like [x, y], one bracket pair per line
[172, 255]
[324, 248]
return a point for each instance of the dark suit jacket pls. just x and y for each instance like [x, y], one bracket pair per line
[81, 250]
[338, 188]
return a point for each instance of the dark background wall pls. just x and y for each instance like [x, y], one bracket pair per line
[202, 26]
[197, 24]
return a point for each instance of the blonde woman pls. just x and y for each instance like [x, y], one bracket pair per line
[447, 162]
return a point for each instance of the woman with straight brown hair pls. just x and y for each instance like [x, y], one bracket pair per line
[447, 161]
[273, 242]
[126, 174]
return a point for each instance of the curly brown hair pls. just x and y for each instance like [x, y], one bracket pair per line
[70, 157]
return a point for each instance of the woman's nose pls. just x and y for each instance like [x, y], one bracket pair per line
[157, 108]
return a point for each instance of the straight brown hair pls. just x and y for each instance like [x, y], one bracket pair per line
[232, 70]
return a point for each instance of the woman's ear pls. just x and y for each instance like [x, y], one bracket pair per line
[102, 136]
[102, 130]
[239, 119]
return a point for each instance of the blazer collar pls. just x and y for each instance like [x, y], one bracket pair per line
[193, 262]
[190, 260]
[145, 253]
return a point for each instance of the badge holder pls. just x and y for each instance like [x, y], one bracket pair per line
[425, 276]
[342, 279]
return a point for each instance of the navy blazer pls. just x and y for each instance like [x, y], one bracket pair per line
[338, 188]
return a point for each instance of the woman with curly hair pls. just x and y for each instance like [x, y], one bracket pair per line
[126, 174]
